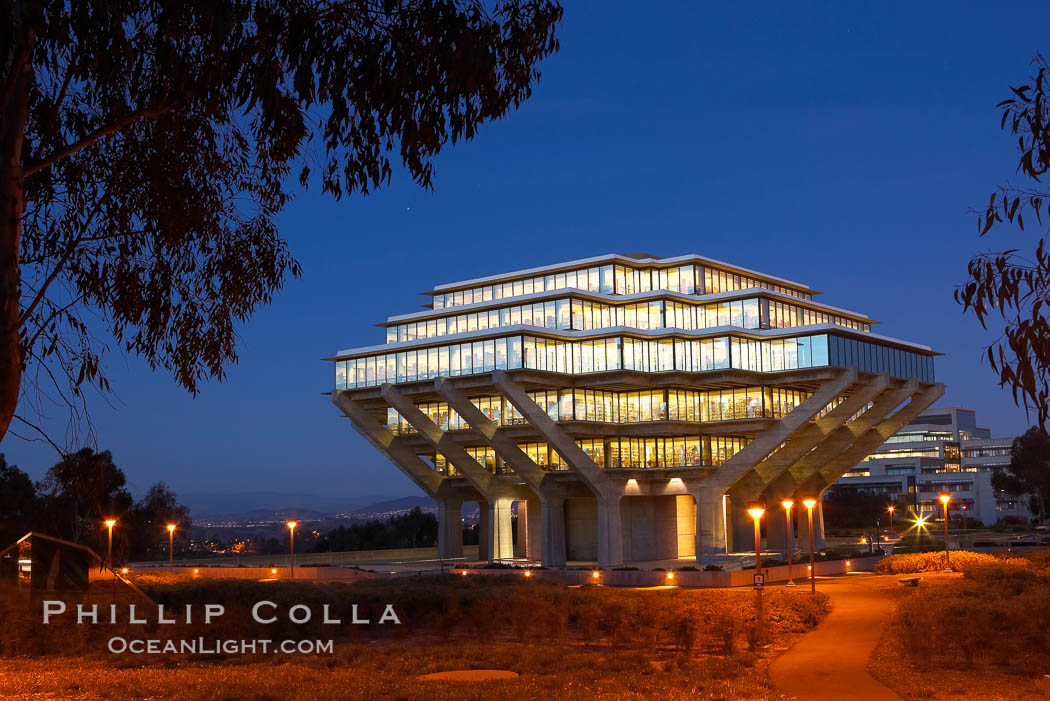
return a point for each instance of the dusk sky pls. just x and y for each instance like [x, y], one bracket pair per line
[838, 146]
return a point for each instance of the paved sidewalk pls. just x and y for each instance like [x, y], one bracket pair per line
[830, 662]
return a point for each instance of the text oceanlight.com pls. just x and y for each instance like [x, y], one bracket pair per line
[204, 646]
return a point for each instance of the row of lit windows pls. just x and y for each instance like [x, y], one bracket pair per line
[913, 436]
[616, 353]
[988, 452]
[905, 453]
[659, 452]
[585, 315]
[782, 315]
[946, 486]
[616, 279]
[618, 407]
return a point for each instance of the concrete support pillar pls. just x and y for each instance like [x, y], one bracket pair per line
[777, 539]
[484, 531]
[521, 538]
[818, 529]
[533, 523]
[710, 526]
[552, 518]
[495, 536]
[450, 528]
[818, 524]
[610, 529]
[741, 526]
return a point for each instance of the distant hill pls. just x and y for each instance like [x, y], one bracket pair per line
[210, 504]
[402, 504]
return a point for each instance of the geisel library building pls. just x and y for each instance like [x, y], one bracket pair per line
[632, 406]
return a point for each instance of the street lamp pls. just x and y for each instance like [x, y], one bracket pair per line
[756, 510]
[787, 504]
[945, 498]
[809, 504]
[110, 522]
[891, 508]
[171, 546]
[291, 531]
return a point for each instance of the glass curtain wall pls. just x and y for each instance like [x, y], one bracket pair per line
[645, 355]
[619, 280]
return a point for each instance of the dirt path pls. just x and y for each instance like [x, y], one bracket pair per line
[830, 662]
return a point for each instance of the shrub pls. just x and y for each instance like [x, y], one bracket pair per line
[910, 563]
[993, 616]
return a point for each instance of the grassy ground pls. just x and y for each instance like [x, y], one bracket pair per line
[564, 642]
[980, 635]
[389, 670]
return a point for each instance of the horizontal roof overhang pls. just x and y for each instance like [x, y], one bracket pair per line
[568, 335]
[612, 258]
[745, 293]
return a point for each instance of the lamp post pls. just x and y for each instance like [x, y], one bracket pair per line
[809, 504]
[756, 510]
[291, 531]
[787, 504]
[110, 522]
[171, 546]
[891, 508]
[945, 498]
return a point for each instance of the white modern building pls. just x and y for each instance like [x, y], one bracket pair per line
[942, 451]
[632, 406]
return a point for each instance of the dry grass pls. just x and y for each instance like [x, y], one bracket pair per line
[980, 636]
[389, 670]
[586, 641]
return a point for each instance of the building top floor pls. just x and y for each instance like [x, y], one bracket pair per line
[617, 274]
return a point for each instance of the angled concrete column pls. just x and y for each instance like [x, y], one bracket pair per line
[875, 437]
[389, 445]
[811, 439]
[553, 517]
[796, 420]
[497, 543]
[504, 446]
[450, 528]
[607, 492]
[573, 454]
[610, 530]
[507, 448]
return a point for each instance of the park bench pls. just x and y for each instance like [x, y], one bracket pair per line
[910, 581]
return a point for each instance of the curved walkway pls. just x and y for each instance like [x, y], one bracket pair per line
[831, 661]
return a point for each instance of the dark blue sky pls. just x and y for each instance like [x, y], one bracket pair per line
[839, 145]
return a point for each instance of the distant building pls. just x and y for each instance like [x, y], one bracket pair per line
[633, 406]
[942, 451]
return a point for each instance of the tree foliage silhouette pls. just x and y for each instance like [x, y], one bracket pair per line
[146, 148]
[1008, 284]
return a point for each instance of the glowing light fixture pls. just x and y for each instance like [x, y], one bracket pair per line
[291, 532]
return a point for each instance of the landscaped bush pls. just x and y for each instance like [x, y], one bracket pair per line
[995, 616]
[911, 563]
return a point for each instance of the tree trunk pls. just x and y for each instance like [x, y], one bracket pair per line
[12, 123]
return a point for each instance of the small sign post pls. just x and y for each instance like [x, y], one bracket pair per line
[760, 580]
